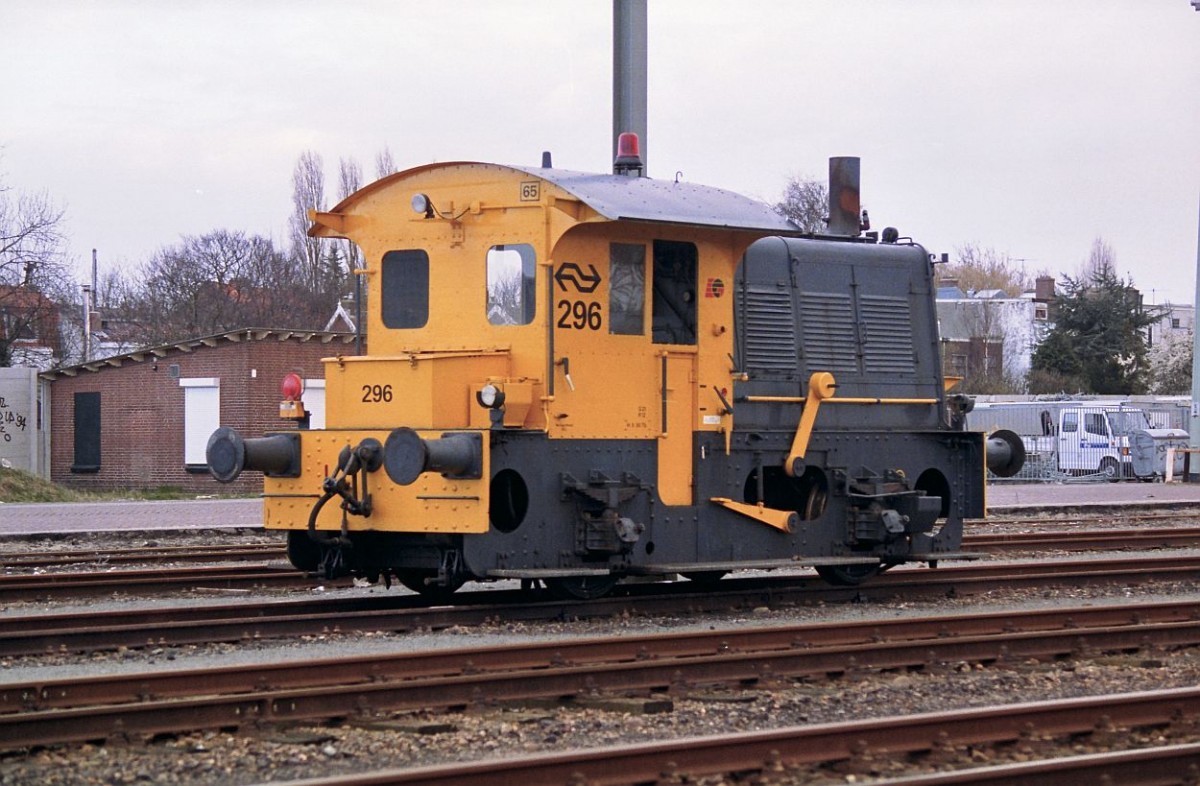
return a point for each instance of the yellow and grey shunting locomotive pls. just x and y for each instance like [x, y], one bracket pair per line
[574, 378]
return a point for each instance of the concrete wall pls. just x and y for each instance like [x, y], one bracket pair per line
[20, 437]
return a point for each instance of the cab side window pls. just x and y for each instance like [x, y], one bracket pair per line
[511, 284]
[405, 285]
[1094, 424]
[673, 314]
[627, 289]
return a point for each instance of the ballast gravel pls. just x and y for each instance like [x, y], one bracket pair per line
[409, 740]
[405, 740]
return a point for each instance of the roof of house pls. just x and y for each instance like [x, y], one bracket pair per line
[190, 345]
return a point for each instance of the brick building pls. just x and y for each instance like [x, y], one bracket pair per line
[142, 420]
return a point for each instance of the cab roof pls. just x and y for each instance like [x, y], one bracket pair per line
[618, 197]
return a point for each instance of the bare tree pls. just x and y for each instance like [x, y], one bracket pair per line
[308, 193]
[1102, 260]
[32, 272]
[806, 204]
[384, 165]
[349, 177]
[218, 282]
[975, 269]
[349, 181]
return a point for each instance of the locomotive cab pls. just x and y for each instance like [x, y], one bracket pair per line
[573, 378]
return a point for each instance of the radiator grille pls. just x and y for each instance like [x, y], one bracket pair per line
[887, 335]
[769, 330]
[829, 333]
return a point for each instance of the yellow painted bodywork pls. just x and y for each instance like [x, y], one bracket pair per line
[428, 390]
[782, 520]
[432, 504]
[620, 387]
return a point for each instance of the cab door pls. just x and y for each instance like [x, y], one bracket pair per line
[675, 336]
[624, 346]
[1070, 442]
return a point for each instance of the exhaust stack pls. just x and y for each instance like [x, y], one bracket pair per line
[845, 205]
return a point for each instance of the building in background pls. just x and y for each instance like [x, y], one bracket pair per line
[987, 333]
[1177, 322]
[142, 419]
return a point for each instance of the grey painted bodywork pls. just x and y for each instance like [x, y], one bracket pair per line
[618, 197]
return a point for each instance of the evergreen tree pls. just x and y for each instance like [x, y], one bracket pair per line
[1099, 337]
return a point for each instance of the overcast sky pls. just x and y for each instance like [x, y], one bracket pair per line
[1028, 127]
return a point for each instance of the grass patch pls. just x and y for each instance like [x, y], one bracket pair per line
[166, 492]
[19, 486]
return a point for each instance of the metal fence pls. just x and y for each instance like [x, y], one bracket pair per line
[1079, 441]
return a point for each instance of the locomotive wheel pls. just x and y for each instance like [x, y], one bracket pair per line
[435, 593]
[814, 504]
[581, 587]
[847, 575]
[303, 552]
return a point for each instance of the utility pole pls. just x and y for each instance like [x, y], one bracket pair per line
[1194, 424]
[89, 292]
[629, 73]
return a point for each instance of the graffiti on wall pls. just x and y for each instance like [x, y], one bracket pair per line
[12, 422]
[18, 418]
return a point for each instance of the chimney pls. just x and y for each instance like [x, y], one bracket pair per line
[1043, 289]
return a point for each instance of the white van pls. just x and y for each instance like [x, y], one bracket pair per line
[1096, 439]
[1070, 437]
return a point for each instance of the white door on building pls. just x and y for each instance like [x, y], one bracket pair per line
[314, 402]
[201, 417]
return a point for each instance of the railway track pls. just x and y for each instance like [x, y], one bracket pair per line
[800, 752]
[26, 585]
[1084, 540]
[1123, 515]
[47, 558]
[567, 672]
[153, 581]
[180, 625]
[170, 702]
[1118, 526]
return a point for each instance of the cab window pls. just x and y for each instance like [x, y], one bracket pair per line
[627, 289]
[1094, 424]
[511, 284]
[673, 314]
[405, 289]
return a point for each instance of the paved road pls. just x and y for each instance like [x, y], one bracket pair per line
[26, 519]
[1024, 495]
